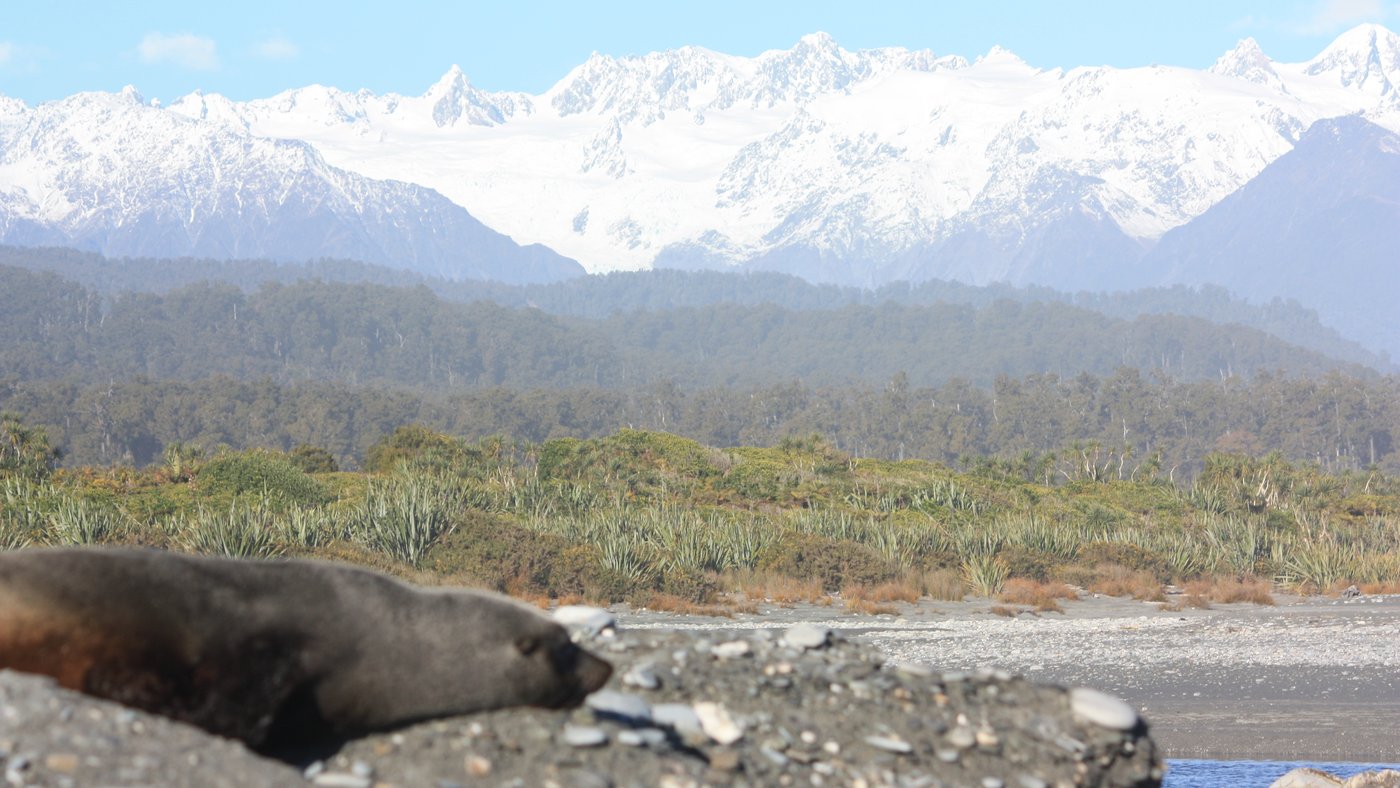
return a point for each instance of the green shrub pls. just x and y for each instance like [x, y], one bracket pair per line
[262, 472]
[835, 563]
[313, 459]
[1127, 555]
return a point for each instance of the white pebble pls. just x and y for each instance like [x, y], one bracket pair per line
[1102, 709]
[716, 722]
[732, 650]
[807, 636]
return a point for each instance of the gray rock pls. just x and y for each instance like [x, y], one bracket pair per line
[624, 705]
[680, 716]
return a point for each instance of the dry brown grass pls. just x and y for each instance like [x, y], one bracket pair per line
[944, 584]
[669, 603]
[1118, 580]
[884, 592]
[1041, 596]
[869, 607]
[876, 600]
[1388, 587]
[1242, 589]
[1003, 610]
[777, 589]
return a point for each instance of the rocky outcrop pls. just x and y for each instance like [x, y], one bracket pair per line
[1316, 778]
[683, 709]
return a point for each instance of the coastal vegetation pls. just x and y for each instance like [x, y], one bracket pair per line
[661, 520]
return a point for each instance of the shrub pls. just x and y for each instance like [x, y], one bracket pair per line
[246, 530]
[1041, 596]
[313, 459]
[1119, 580]
[507, 557]
[984, 574]
[1125, 555]
[945, 584]
[265, 473]
[834, 563]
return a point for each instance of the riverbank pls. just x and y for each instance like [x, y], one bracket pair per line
[1310, 678]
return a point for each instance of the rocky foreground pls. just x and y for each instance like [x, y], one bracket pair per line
[800, 707]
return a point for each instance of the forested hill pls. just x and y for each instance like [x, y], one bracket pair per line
[664, 290]
[369, 334]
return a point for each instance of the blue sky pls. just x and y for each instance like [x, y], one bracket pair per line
[252, 49]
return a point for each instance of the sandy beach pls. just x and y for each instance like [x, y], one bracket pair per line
[1310, 678]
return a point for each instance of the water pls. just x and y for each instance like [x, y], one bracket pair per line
[1185, 773]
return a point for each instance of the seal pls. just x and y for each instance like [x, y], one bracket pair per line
[285, 655]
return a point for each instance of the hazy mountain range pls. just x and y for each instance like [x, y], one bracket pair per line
[864, 167]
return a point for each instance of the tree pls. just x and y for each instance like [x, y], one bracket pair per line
[24, 451]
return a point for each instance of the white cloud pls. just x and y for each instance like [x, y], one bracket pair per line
[183, 49]
[1332, 16]
[7, 53]
[276, 48]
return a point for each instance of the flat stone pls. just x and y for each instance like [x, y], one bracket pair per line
[341, 780]
[1102, 709]
[807, 636]
[889, 744]
[642, 737]
[732, 649]
[584, 736]
[622, 705]
[675, 715]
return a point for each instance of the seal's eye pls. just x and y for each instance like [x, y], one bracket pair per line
[566, 656]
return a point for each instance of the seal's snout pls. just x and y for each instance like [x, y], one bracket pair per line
[593, 672]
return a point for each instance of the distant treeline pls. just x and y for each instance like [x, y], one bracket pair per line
[359, 334]
[598, 297]
[1109, 425]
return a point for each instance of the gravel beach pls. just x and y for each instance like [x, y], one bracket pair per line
[1309, 678]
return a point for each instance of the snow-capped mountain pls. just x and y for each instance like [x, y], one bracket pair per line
[852, 166]
[837, 165]
[114, 174]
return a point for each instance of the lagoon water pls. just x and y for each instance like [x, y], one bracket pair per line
[1189, 773]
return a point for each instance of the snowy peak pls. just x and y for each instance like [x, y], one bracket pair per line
[1248, 62]
[453, 99]
[1367, 58]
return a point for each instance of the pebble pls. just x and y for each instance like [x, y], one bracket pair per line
[777, 758]
[341, 780]
[642, 676]
[61, 762]
[642, 737]
[993, 782]
[1031, 781]
[584, 736]
[732, 650]
[679, 716]
[623, 705]
[807, 636]
[961, 737]
[1102, 709]
[889, 744]
[914, 669]
[478, 766]
[717, 723]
